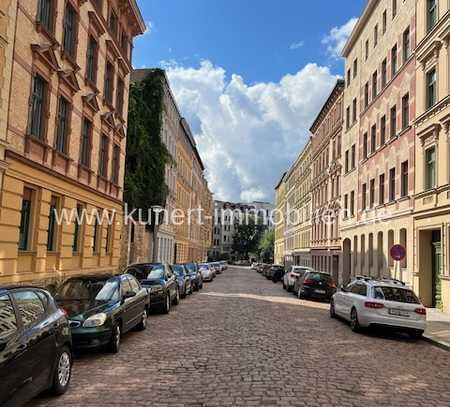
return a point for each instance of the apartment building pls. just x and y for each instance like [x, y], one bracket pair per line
[379, 140]
[297, 231]
[66, 125]
[193, 236]
[280, 221]
[431, 238]
[326, 164]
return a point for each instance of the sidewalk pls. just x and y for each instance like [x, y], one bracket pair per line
[438, 328]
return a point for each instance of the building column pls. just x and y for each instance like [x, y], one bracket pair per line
[66, 230]
[41, 223]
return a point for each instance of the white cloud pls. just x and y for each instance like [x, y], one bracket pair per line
[297, 45]
[149, 28]
[248, 135]
[336, 39]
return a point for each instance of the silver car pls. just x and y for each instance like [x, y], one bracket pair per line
[367, 302]
[292, 275]
[207, 272]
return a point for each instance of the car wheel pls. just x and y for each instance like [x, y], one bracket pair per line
[416, 334]
[63, 372]
[299, 294]
[166, 306]
[176, 301]
[182, 295]
[114, 344]
[354, 324]
[332, 310]
[289, 288]
[143, 323]
[284, 285]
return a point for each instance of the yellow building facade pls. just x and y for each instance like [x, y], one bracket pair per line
[432, 181]
[66, 126]
[280, 221]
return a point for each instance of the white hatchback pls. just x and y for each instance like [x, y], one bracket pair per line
[292, 275]
[367, 302]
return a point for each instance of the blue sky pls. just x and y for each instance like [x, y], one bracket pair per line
[253, 62]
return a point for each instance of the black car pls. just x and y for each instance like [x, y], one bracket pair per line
[35, 345]
[195, 275]
[101, 308]
[183, 280]
[276, 273]
[160, 282]
[316, 285]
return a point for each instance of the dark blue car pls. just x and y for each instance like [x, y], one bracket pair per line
[183, 280]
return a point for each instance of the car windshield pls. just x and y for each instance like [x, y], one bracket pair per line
[203, 268]
[396, 294]
[318, 277]
[88, 290]
[178, 270]
[156, 271]
[190, 267]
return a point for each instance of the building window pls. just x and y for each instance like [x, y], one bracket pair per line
[120, 96]
[392, 184]
[353, 156]
[383, 130]
[406, 45]
[373, 138]
[405, 111]
[375, 36]
[347, 117]
[124, 43]
[77, 229]
[103, 161]
[51, 231]
[374, 84]
[364, 197]
[367, 50]
[109, 238]
[384, 21]
[345, 205]
[354, 110]
[352, 203]
[394, 8]
[115, 165]
[431, 14]
[366, 95]
[96, 236]
[393, 121]
[381, 190]
[404, 180]
[63, 124]
[394, 61]
[431, 88]
[384, 73]
[25, 219]
[346, 161]
[430, 168]
[372, 193]
[85, 149]
[113, 23]
[70, 30]
[46, 14]
[365, 146]
[348, 77]
[355, 68]
[109, 83]
[38, 120]
[91, 64]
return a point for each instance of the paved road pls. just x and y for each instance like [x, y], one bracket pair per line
[243, 341]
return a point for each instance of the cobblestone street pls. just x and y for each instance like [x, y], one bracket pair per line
[244, 341]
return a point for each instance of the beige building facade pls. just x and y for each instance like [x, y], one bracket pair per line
[432, 182]
[326, 167]
[280, 221]
[379, 141]
[65, 135]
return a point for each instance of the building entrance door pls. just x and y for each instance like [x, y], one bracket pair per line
[436, 269]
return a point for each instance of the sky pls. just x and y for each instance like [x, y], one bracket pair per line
[249, 76]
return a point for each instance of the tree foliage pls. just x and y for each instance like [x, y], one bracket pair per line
[266, 246]
[147, 155]
[246, 238]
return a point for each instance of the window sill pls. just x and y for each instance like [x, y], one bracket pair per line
[49, 35]
[92, 85]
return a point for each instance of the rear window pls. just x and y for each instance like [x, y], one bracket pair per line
[318, 277]
[396, 294]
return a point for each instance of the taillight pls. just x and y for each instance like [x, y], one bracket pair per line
[64, 312]
[308, 281]
[420, 311]
[331, 285]
[373, 305]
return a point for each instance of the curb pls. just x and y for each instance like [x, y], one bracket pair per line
[440, 344]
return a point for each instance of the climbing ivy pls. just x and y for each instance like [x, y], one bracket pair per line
[147, 155]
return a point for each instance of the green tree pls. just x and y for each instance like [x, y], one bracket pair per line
[266, 246]
[246, 238]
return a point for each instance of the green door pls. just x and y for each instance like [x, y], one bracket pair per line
[436, 269]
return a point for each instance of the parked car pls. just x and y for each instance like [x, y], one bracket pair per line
[316, 285]
[216, 267]
[101, 308]
[183, 280]
[255, 266]
[276, 273]
[266, 270]
[224, 264]
[259, 268]
[160, 283]
[195, 275]
[207, 272]
[35, 345]
[292, 277]
[366, 302]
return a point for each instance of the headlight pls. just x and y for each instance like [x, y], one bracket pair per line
[157, 289]
[95, 320]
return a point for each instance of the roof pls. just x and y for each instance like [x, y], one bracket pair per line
[190, 137]
[138, 19]
[17, 286]
[337, 90]
[360, 25]
[281, 180]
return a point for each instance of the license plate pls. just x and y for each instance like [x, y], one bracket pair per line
[398, 313]
[320, 291]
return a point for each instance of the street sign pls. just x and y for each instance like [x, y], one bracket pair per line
[398, 252]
